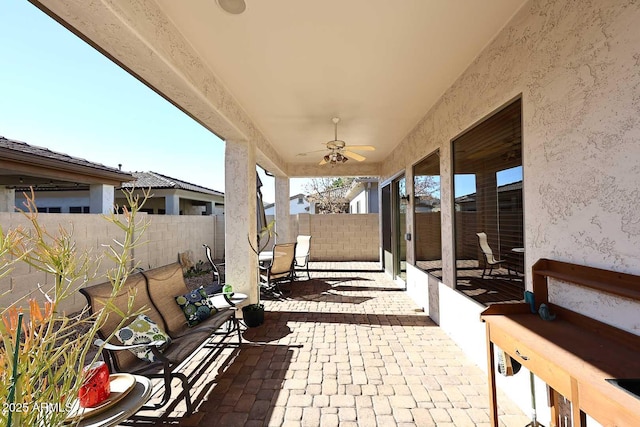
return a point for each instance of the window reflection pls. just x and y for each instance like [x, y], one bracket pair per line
[488, 181]
[426, 213]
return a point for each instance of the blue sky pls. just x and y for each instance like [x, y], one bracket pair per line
[58, 92]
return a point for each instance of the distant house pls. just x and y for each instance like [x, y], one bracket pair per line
[171, 196]
[66, 184]
[62, 183]
[297, 204]
[509, 198]
[360, 197]
[329, 201]
[363, 196]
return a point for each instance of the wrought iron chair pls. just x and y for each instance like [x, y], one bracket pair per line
[280, 268]
[303, 248]
[218, 278]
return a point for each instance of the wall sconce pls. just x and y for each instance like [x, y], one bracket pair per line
[406, 199]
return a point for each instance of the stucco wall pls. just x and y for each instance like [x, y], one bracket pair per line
[165, 237]
[576, 67]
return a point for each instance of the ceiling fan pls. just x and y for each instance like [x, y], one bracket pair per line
[339, 151]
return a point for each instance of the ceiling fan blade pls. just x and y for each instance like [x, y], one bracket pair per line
[322, 162]
[354, 156]
[360, 147]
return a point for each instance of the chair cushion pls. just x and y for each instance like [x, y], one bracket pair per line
[196, 306]
[140, 331]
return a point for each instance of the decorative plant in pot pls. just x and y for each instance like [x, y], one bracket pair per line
[253, 314]
[42, 349]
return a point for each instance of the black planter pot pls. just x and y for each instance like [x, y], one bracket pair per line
[253, 315]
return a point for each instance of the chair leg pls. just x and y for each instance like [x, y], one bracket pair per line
[308, 275]
[237, 325]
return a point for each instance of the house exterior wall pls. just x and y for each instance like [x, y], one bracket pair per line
[295, 207]
[359, 204]
[61, 199]
[66, 199]
[575, 66]
[373, 199]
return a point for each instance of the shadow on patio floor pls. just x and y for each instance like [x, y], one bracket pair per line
[323, 360]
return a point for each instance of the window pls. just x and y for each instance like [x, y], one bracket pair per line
[426, 214]
[79, 209]
[50, 210]
[488, 182]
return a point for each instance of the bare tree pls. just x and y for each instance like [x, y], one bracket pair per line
[328, 194]
[425, 186]
[427, 191]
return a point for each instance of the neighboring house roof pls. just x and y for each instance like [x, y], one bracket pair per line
[501, 189]
[358, 186]
[297, 196]
[159, 181]
[32, 165]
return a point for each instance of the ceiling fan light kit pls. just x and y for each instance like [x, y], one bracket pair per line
[334, 158]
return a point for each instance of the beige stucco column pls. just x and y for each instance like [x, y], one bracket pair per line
[240, 217]
[283, 210]
[7, 200]
[172, 204]
[101, 198]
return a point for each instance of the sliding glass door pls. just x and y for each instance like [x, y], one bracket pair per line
[394, 245]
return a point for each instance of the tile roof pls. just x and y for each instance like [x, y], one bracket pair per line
[269, 205]
[156, 180]
[24, 148]
[502, 188]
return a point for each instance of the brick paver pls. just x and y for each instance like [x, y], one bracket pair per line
[347, 348]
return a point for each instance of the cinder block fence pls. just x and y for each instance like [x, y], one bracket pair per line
[335, 237]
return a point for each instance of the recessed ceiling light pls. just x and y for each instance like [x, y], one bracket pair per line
[235, 7]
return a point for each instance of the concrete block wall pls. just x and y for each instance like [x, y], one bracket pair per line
[344, 237]
[336, 237]
[168, 235]
[165, 237]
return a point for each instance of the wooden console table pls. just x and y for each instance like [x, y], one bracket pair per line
[573, 354]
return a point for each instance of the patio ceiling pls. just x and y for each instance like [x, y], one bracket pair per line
[276, 74]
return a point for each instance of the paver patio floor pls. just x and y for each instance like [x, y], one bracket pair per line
[347, 348]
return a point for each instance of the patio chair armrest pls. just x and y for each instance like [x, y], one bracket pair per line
[112, 347]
